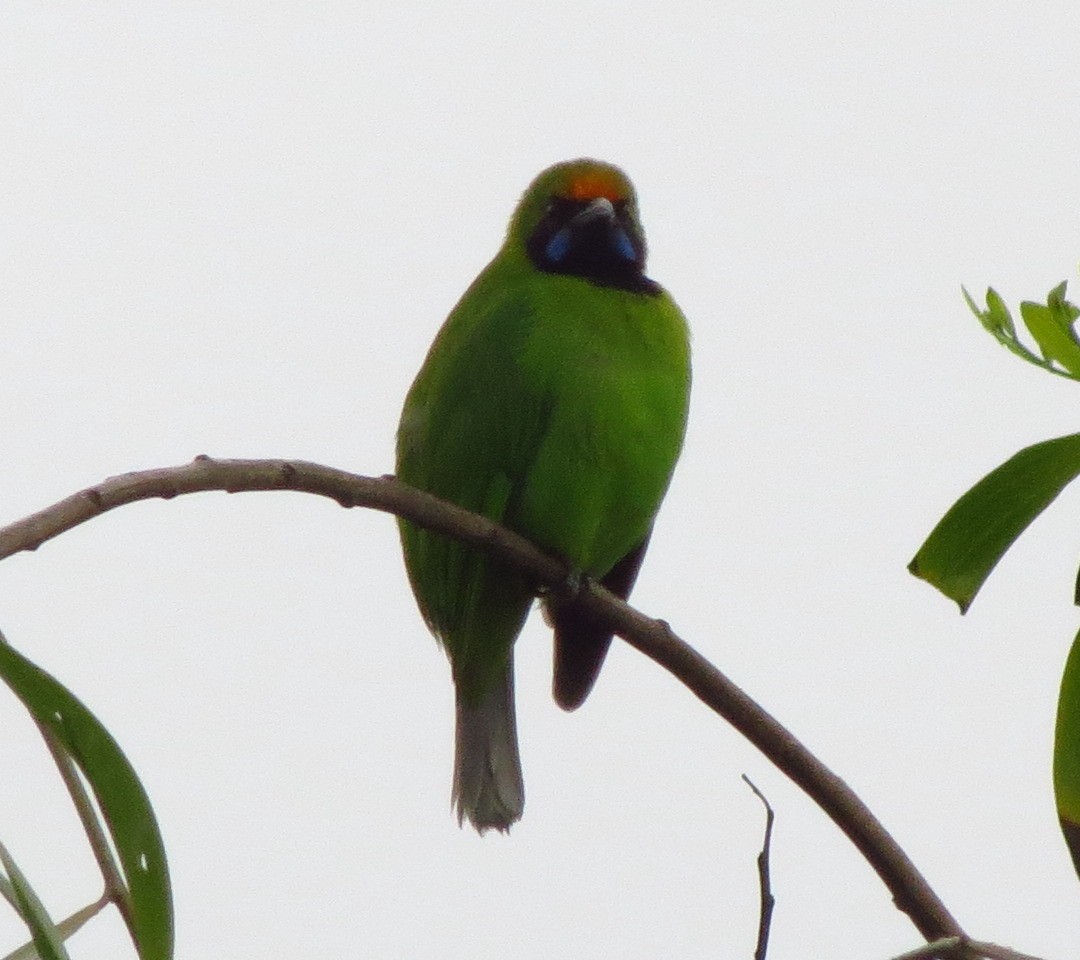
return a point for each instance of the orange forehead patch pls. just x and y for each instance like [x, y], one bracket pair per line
[596, 183]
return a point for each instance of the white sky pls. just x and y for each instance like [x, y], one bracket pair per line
[234, 229]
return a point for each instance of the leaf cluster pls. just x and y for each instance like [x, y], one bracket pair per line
[1051, 324]
[118, 816]
[975, 533]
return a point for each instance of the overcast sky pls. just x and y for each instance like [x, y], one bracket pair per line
[234, 229]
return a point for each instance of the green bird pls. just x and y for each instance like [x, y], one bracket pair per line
[553, 401]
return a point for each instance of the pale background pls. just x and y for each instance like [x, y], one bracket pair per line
[234, 229]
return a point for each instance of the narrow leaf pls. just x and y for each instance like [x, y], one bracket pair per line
[47, 940]
[121, 797]
[973, 536]
[7, 891]
[1052, 327]
[1056, 299]
[1067, 754]
[998, 322]
[66, 927]
[996, 318]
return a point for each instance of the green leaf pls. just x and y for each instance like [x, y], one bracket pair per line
[48, 942]
[1067, 754]
[998, 321]
[7, 891]
[997, 318]
[1052, 327]
[121, 797]
[973, 536]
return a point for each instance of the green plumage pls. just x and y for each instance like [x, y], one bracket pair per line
[554, 401]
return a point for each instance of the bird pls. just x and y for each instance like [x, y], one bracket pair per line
[553, 401]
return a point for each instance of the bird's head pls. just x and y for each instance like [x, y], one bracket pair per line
[580, 218]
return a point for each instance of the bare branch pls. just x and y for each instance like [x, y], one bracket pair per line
[910, 891]
[768, 901]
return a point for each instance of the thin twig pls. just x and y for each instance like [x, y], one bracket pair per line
[910, 891]
[67, 928]
[768, 901]
[116, 890]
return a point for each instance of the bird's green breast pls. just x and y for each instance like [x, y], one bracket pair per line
[553, 405]
[614, 367]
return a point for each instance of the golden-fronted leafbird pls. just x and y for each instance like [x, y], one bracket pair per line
[552, 401]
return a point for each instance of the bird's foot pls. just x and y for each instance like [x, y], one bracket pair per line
[568, 589]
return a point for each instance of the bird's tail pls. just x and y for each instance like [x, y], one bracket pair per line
[488, 787]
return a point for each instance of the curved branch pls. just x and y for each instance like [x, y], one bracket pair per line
[910, 891]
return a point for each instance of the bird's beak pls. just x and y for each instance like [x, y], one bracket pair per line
[598, 209]
[600, 215]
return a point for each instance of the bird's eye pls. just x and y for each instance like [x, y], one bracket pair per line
[560, 208]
